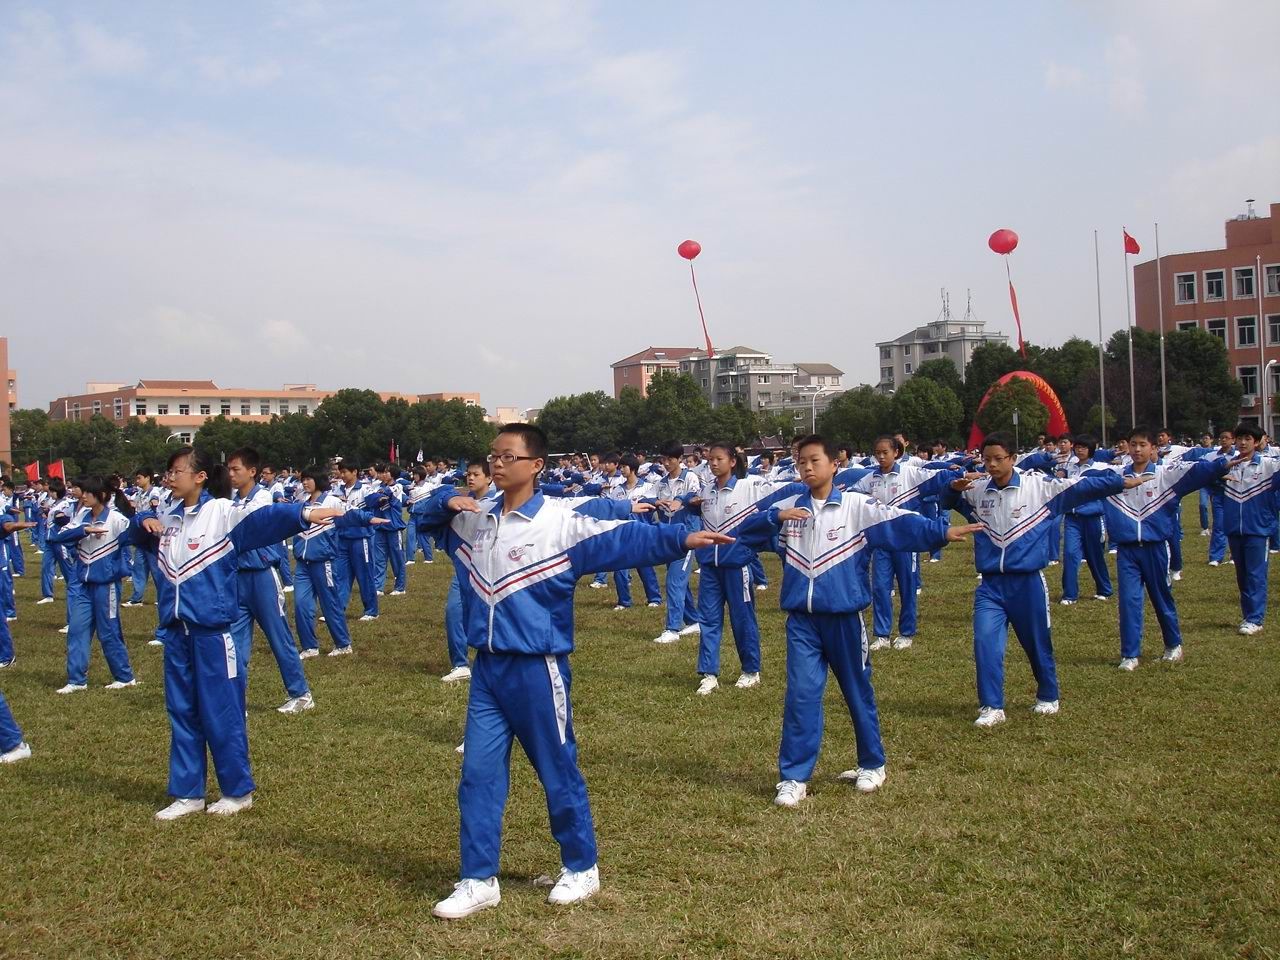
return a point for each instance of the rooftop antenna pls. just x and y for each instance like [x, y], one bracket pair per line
[968, 306]
[1251, 215]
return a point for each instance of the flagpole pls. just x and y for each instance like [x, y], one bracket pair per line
[1164, 397]
[1262, 349]
[1128, 311]
[1102, 378]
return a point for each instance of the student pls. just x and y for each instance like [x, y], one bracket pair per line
[633, 491]
[1018, 513]
[1085, 538]
[386, 537]
[1141, 523]
[1206, 441]
[905, 486]
[141, 499]
[673, 493]
[1249, 516]
[315, 577]
[261, 593]
[423, 486]
[824, 534]
[724, 504]
[354, 561]
[479, 487]
[273, 483]
[9, 529]
[1217, 491]
[518, 558]
[198, 537]
[12, 747]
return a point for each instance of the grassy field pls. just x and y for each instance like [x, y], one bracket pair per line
[1141, 821]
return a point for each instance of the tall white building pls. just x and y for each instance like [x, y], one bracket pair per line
[944, 337]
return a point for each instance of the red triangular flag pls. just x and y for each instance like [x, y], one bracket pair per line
[56, 470]
[33, 471]
[1130, 244]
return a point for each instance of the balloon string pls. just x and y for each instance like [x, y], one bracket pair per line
[1013, 300]
[696, 296]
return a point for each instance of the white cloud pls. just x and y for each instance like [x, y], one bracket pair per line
[104, 53]
[1059, 76]
[226, 73]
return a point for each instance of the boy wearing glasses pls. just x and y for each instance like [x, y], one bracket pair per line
[1019, 513]
[518, 558]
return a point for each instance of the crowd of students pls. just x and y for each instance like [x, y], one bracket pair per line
[521, 532]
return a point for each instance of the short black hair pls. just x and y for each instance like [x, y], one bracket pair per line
[1139, 433]
[1088, 441]
[890, 439]
[482, 463]
[534, 437]
[1248, 430]
[673, 448]
[629, 460]
[814, 440]
[999, 439]
[248, 458]
[318, 475]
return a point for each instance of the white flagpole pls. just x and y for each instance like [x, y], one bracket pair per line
[1164, 397]
[1262, 350]
[1102, 374]
[1128, 310]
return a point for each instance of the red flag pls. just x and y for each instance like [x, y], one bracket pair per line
[1130, 244]
[33, 471]
[1013, 299]
[56, 470]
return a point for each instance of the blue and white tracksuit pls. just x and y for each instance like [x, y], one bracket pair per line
[648, 578]
[1141, 522]
[142, 564]
[58, 558]
[1251, 496]
[261, 596]
[387, 545]
[315, 579]
[95, 603]
[518, 572]
[682, 607]
[413, 540]
[279, 552]
[904, 486]
[10, 732]
[1011, 552]
[354, 559]
[1085, 539]
[824, 591]
[204, 681]
[725, 577]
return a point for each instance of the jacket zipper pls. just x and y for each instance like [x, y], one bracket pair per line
[488, 574]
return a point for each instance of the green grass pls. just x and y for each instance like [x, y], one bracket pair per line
[1140, 821]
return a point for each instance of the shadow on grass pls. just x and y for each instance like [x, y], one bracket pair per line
[146, 792]
[396, 863]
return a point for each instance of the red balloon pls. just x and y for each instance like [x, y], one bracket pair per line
[1003, 241]
[689, 249]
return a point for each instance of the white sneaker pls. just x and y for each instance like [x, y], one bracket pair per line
[666, 636]
[1249, 629]
[397, 593]
[866, 779]
[709, 683]
[1046, 708]
[288, 589]
[468, 897]
[879, 643]
[1172, 654]
[790, 793]
[596, 586]
[153, 642]
[341, 651]
[919, 590]
[21, 752]
[461, 748]
[132, 603]
[935, 560]
[457, 674]
[229, 805]
[901, 643]
[180, 808]
[619, 607]
[574, 885]
[1112, 551]
[65, 628]
[1067, 603]
[308, 654]
[367, 617]
[655, 603]
[691, 629]
[297, 704]
[1214, 563]
[322, 619]
[1053, 563]
[1177, 575]
[44, 600]
[761, 587]
[989, 717]
[1098, 596]
[1204, 533]
[10, 662]
[121, 684]
[410, 563]
[747, 680]
[72, 688]
[1129, 664]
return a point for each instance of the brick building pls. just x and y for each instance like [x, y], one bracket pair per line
[639, 368]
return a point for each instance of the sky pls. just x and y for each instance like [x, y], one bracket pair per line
[470, 196]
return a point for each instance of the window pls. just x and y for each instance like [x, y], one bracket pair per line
[1184, 288]
[906, 350]
[1188, 325]
[1242, 283]
[1246, 332]
[284, 406]
[1271, 272]
[97, 406]
[1217, 327]
[886, 353]
[906, 367]
[930, 348]
[303, 408]
[1248, 377]
[75, 410]
[1215, 285]
[244, 408]
[886, 374]
[184, 409]
[206, 409]
[1273, 390]
[1273, 330]
[704, 383]
[225, 408]
[117, 408]
[765, 397]
[264, 407]
[140, 409]
[762, 378]
[162, 409]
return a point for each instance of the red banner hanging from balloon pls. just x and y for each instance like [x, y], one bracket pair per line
[1004, 242]
[690, 249]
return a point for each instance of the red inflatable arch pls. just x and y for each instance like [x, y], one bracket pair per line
[1057, 417]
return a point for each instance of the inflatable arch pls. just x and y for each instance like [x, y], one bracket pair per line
[1057, 416]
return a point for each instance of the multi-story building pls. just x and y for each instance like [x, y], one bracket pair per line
[1232, 293]
[6, 443]
[944, 337]
[815, 386]
[182, 406]
[639, 368]
[741, 375]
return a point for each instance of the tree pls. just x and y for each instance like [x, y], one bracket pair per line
[923, 409]
[989, 362]
[351, 424]
[584, 422]
[30, 435]
[941, 371]
[446, 429]
[674, 408]
[1015, 394]
[857, 417]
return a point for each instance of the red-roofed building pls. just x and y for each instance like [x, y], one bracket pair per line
[638, 369]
